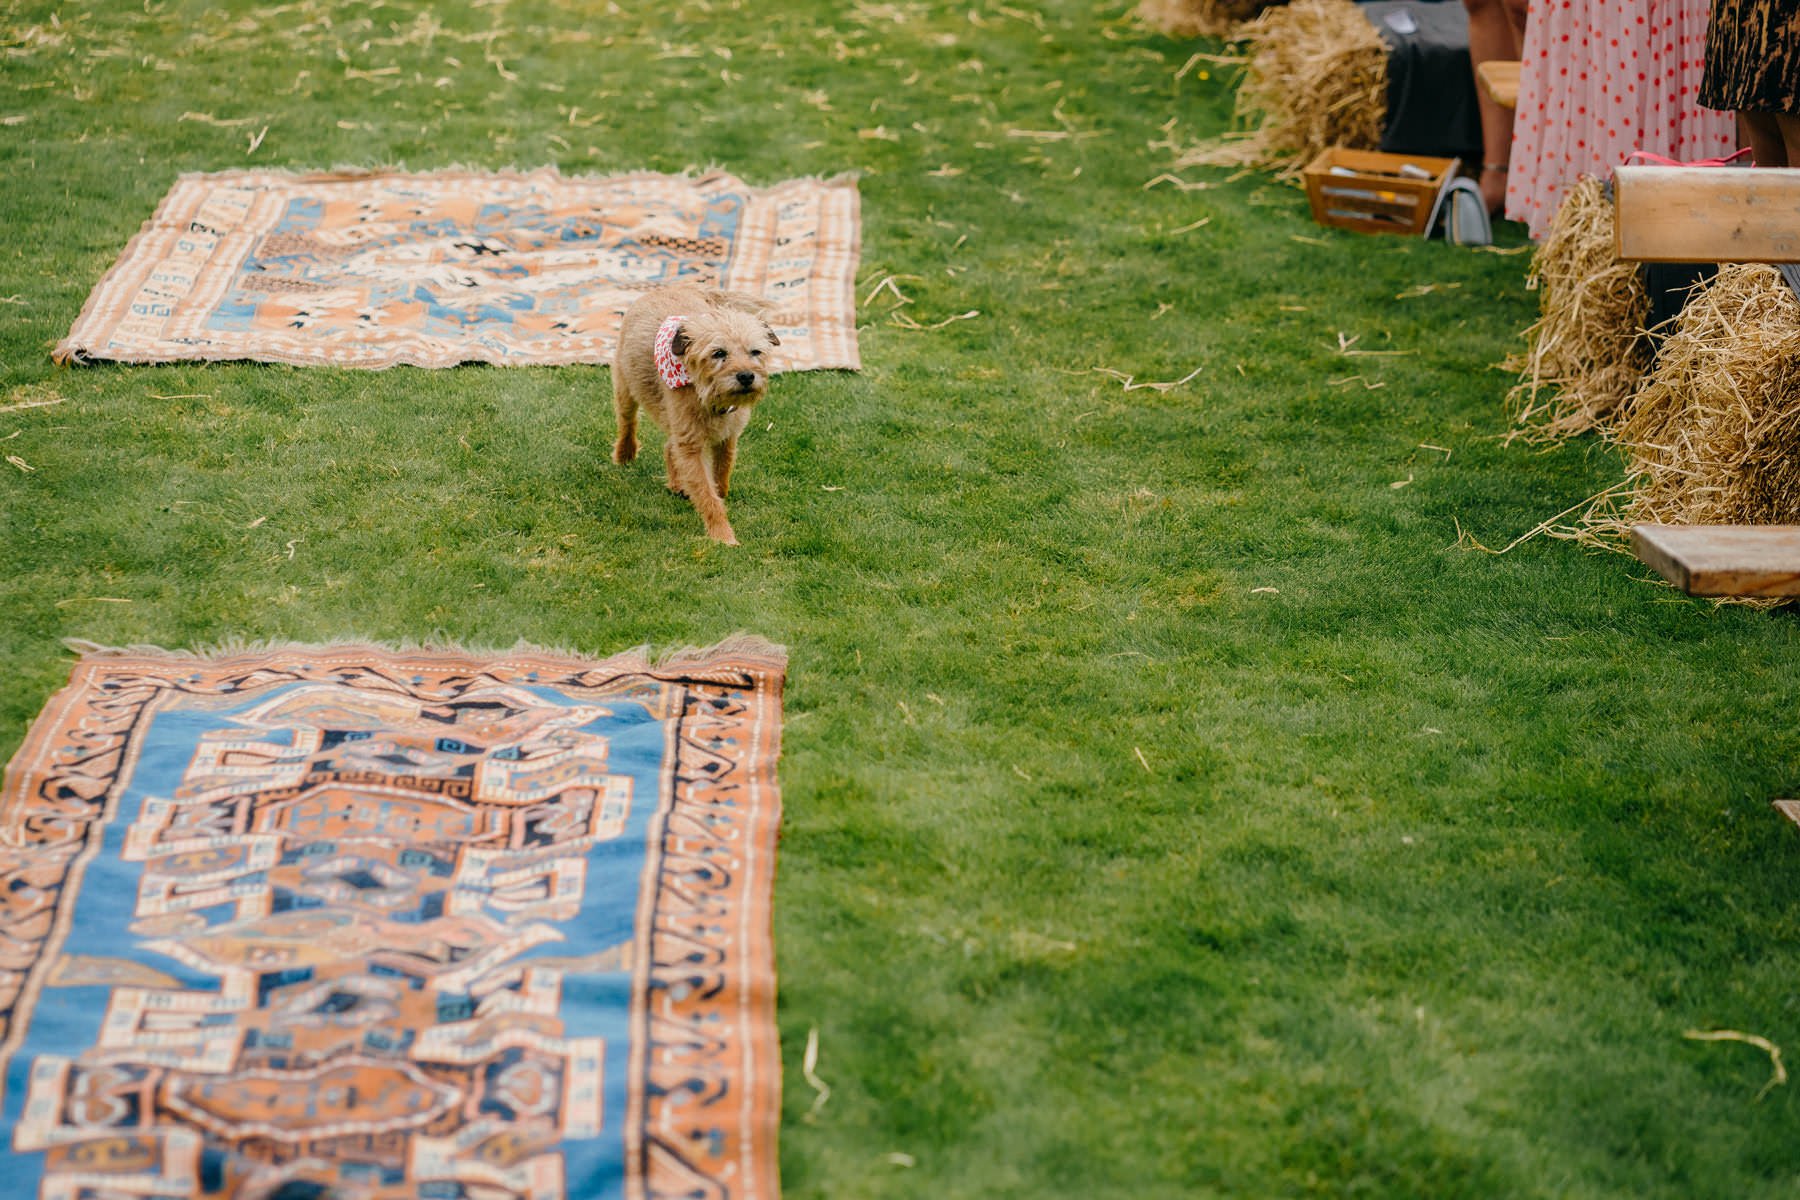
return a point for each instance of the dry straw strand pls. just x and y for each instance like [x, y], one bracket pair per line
[1199, 18]
[1586, 351]
[1316, 77]
[1778, 1073]
[808, 1065]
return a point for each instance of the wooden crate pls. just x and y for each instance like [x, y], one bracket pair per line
[1365, 190]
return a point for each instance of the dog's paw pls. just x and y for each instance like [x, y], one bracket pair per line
[723, 536]
[625, 450]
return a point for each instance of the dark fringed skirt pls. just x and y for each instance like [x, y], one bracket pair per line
[1753, 56]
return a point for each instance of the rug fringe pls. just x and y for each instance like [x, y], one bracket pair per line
[738, 645]
[344, 171]
[643, 657]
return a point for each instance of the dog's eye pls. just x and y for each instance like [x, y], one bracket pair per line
[756, 354]
[719, 354]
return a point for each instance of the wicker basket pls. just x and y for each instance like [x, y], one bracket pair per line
[1373, 192]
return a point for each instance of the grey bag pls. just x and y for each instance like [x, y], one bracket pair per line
[1460, 210]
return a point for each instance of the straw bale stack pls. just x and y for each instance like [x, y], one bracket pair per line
[1316, 77]
[1587, 351]
[1199, 18]
[1714, 432]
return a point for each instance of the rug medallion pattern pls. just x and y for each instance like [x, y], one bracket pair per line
[344, 922]
[433, 270]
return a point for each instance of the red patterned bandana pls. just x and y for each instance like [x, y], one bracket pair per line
[670, 368]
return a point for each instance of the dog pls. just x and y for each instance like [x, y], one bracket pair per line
[697, 360]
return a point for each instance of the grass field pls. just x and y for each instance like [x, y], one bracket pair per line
[1171, 808]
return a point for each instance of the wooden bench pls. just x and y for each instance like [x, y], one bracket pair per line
[1708, 214]
[1723, 560]
[1500, 80]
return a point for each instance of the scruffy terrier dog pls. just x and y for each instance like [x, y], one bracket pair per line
[697, 359]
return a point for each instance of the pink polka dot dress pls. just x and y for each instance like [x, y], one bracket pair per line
[1600, 79]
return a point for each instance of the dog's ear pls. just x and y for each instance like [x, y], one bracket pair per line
[679, 343]
[773, 340]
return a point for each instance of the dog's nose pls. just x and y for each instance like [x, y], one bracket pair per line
[746, 379]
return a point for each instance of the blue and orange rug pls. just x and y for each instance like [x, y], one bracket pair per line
[529, 269]
[343, 922]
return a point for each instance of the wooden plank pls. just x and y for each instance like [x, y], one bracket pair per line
[1723, 560]
[1708, 214]
[1500, 80]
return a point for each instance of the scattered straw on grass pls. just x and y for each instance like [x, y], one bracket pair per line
[1130, 384]
[1199, 18]
[1777, 1077]
[24, 404]
[1052, 135]
[807, 1064]
[1586, 352]
[1346, 346]
[905, 322]
[1425, 289]
[1551, 527]
[1713, 433]
[1200, 56]
[209, 119]
[1317, 77]
[888, 284]
[1182, 185]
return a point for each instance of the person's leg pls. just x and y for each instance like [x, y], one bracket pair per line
[1762, 132]
[1492, 37]
[1790, 136]
[1515, 19]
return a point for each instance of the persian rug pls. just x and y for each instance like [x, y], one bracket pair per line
[342, 922]
[371, 270]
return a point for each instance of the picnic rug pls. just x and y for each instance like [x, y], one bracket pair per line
[530, 269]
[322, 923]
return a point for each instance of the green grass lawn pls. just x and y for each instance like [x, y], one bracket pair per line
[1171, 808]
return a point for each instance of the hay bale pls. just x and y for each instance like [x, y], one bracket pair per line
[1316, 77]
[1199, 18]
[1587, 351]
[1714, 432]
